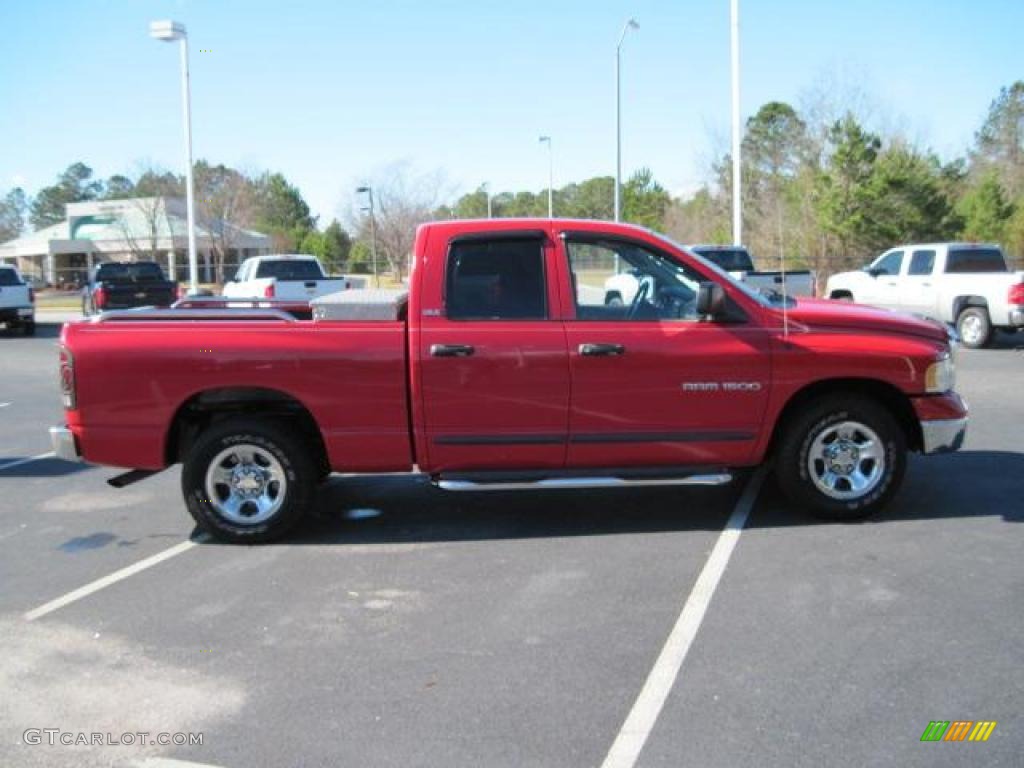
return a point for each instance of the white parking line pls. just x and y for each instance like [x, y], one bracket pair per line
[113, 578]
[4, 405]
[19, 462]
[169, 762]
[641, 719]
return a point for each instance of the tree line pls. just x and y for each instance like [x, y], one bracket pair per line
[825, 193]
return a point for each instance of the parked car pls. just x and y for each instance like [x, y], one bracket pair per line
[283, 276]
[492, 374]
[736, 260]
[17, 301]
[965, 284]
[123, 285]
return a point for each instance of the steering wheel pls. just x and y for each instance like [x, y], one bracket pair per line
[641, 294]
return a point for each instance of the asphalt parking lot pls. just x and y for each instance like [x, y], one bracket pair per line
[404, 626]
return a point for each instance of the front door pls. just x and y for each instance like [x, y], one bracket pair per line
[652, 384]
[494, 381]
[883, 290]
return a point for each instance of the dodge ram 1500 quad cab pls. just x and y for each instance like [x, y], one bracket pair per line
[504, 368]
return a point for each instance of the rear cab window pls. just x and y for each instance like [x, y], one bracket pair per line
[290, 269]
[499, 279]
[135, 272]
[729, 259]
[975, 259]
[9, 277]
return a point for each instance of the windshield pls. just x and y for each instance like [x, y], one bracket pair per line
[136, 272]
[766, 297]
[287, 269]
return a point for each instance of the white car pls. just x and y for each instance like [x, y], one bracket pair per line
[17, 301]
[291, 277]
[965, 284]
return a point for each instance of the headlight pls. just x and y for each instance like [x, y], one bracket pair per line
[941, 375]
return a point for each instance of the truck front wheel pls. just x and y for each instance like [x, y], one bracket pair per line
[842, 457]
[974, 327]
[248, 481]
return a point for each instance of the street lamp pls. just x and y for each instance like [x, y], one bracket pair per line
[551, 176]
[737, 209]
[631, 24]
[169, 31]
[368, 191]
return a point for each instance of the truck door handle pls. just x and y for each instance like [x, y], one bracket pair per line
[602, 350]
[451, 350]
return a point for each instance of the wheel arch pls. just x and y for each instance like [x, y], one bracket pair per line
[886, 394]
[209, 406]
[960, 303]
[841, 293]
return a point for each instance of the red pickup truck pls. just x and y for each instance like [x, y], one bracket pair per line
[504, 368]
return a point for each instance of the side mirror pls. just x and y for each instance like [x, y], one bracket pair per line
[710, 300]
[874, 271]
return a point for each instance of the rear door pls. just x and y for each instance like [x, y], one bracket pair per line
[493, 368]
[652, 385]
[917, 290]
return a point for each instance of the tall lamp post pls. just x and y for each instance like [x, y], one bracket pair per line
[631, 24]
[169, 31]
[368, 191]
[737, 204]
[551, 176]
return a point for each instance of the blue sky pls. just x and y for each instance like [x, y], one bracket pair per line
[332, 92]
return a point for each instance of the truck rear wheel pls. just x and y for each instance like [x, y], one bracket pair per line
[974, 327]
[248, 481]
[842, 457]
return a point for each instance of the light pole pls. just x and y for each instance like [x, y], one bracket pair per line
[487, 191]
[631, 24]
[368, 191]
[737, 209]
[551, 176]
[169, 31]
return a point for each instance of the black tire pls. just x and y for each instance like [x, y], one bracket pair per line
[268, 439]
[842, 296]
[29, 328]
[974, 327]
[613, 299]
[797, 476]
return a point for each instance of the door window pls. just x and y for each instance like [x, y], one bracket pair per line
[622, 281]
[921, 263]
[889, 264]
[496, 280]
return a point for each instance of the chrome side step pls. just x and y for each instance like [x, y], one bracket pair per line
[563, 483]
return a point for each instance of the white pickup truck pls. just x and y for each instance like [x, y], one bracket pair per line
[965, 284]
[736, 260]
[17, 301]
[288, 277]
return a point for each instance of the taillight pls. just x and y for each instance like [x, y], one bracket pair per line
[1016, 295]
[67, 378]
[99, 297]
[268, 292]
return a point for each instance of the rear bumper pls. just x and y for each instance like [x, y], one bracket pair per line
[64, 446]
[17, 314]
[943, 420]
[1017, 317]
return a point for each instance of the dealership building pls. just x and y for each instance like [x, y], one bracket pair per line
[146, 228]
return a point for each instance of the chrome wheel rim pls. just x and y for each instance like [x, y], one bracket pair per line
[970, 329]
[246, 484]
[846, 460]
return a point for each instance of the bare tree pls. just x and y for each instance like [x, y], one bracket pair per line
[226, 206]
[142, 232]
[402, 200]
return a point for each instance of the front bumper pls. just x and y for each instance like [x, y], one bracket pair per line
[944, 435]
[64, 446]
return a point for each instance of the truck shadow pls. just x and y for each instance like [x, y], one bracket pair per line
[50, 467]
[406, 509]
